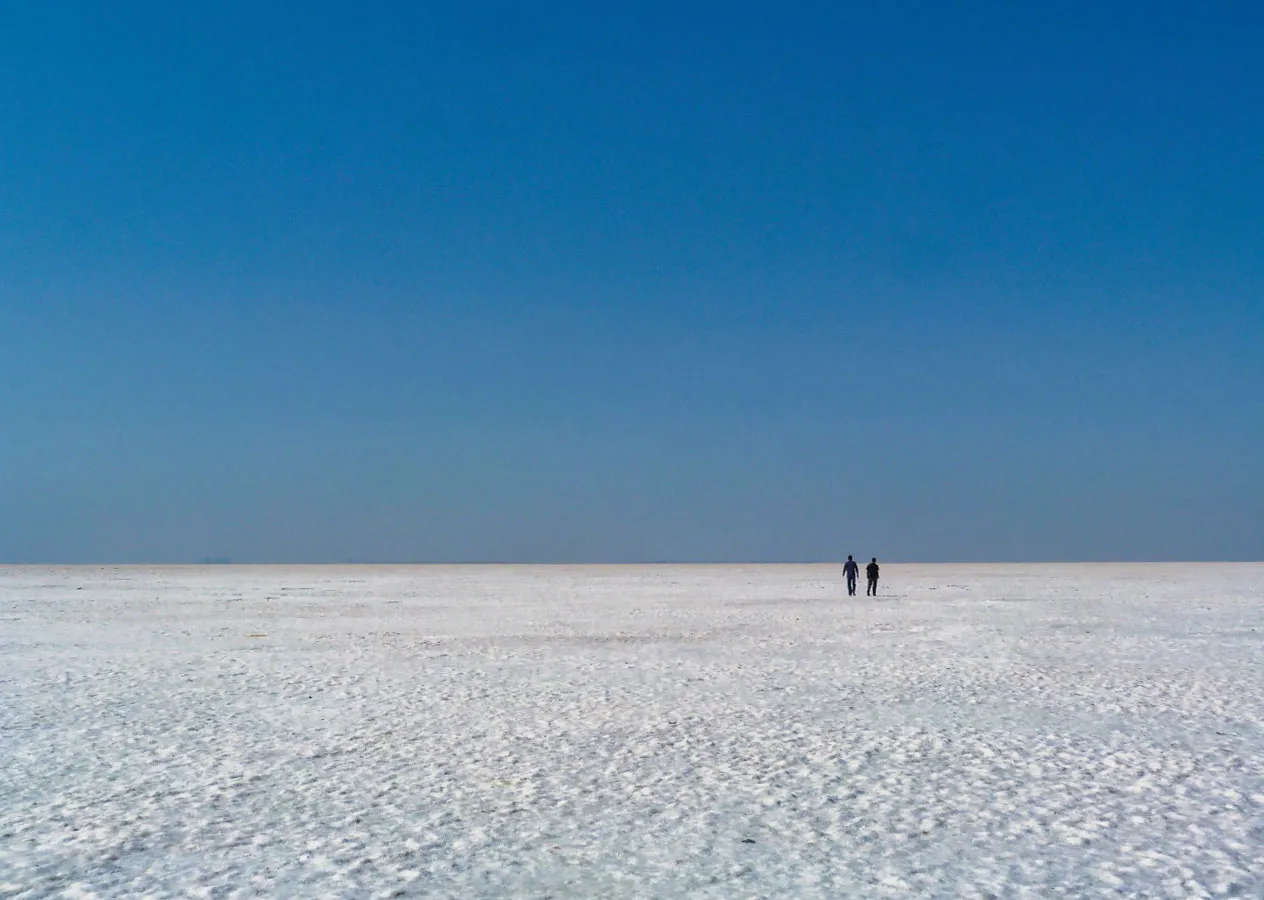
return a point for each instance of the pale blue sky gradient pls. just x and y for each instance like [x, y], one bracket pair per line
[592, 282]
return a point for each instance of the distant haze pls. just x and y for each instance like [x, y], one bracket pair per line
[569, 282]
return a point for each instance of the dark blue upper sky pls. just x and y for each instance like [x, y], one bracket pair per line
[574, 281]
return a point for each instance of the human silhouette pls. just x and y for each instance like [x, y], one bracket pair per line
[871, 572]
[850, 571]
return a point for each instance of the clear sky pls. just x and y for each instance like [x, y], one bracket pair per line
[600, 282]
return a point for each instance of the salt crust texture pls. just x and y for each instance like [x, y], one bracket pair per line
[657, 732]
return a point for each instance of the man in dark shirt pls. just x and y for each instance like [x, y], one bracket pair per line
[871, 571]
[850, 571]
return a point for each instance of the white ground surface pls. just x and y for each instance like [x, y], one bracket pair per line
[977, 731]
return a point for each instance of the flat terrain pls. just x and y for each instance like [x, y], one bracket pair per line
[608, 732]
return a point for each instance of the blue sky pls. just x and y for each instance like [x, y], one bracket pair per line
[588, 282]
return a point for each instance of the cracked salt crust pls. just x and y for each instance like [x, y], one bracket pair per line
[980, 731]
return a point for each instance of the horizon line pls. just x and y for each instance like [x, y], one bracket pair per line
[230, 563]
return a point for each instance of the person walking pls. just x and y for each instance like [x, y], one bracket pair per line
[871, 573]
[850, 571]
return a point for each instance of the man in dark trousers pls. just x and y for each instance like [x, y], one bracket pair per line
[850, 571]
[871, 572]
